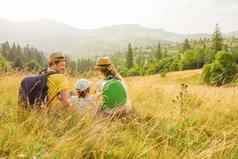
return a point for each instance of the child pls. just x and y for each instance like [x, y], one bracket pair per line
[82, 99]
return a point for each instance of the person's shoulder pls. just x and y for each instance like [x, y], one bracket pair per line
[74, 98]
[90, 98]
[58, 80]
[99, 85]
[112, 81]
[57, 76]
[100, 82]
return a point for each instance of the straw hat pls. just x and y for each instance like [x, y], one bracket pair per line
[103, 61]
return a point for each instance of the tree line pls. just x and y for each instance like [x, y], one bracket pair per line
[217, 56]
[15, 57]
[28, 58]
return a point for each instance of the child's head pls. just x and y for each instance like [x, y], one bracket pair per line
[82, 87]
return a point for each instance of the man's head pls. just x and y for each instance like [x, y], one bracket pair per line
[57, 61]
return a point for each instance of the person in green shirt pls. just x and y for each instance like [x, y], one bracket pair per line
[111, 91]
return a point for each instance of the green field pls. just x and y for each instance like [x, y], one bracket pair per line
[171, 120]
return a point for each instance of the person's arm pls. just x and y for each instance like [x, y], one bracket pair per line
[64, 98]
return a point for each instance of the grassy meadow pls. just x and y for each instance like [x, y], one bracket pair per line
[176, 117]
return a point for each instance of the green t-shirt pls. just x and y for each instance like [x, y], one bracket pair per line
[113, 93]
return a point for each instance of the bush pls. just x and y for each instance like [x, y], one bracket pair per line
[33, 65]
[163, 73]
[164, 64]
[123, 72]
[189, 60]
[223, 70]
[192, 59]
[3, 64]
[152, 69]
[235, 54]
[176, 65]
[135, 71]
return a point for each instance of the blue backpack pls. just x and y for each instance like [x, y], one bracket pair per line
[33, 91]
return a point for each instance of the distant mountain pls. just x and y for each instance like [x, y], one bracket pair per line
[234, 33]
[51, 35]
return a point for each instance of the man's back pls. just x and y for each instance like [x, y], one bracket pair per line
[56, 83]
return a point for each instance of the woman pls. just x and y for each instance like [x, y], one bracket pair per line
[111, 91]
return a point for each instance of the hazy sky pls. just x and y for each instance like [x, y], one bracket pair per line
[181, 16]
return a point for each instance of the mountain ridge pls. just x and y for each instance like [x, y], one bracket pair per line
[50, 35]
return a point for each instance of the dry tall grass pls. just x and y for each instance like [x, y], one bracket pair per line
[171, 121]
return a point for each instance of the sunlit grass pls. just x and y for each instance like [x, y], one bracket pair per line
[171, 121]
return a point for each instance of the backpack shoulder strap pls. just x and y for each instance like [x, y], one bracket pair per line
[51, 100]
[47, 74]
[50, 73]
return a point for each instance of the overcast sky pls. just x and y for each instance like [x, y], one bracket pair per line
[181, 16]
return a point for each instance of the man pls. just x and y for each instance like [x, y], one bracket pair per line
[57, 82]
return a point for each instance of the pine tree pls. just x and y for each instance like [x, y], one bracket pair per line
[3, 64]
[186, 45]
[12, 53]
[129, 59]
[18, 63]
[6, 50]
[33, 65]
[158, 53]
[18, 50]
[165, 52]
[19, 53]
[217, 40]
[18, 56]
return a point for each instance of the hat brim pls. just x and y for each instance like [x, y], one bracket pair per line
[60, 60]
[102, 66]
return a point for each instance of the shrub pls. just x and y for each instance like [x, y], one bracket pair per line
[123, 72]
[135, 71]
[189, 60]
[33, 65]
[152, 69]
[223, 70]
[163, 73]
[3, 64]
[164, 64]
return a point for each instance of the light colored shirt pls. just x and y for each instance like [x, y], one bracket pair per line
[99, 86]
[82, 103]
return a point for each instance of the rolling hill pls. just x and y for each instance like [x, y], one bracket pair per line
[50, 35]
